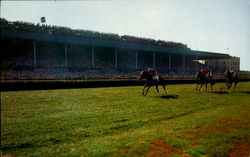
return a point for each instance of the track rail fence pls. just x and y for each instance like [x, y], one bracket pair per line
[19, 85]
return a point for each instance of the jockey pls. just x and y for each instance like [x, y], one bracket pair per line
[228, 73]
[232, 73]
[154, 74]
[235, 74]
[203, 72]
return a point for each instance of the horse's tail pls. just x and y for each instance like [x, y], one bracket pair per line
[236, 78]
[209, 78]
[163, 79]
[197, 75]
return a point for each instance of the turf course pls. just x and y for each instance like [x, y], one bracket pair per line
[121, 122]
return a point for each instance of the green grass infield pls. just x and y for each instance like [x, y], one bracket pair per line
[119, 121]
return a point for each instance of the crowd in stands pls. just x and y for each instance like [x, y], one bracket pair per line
[52, 69]
[93, 73]
[67, 75]
[48, 29]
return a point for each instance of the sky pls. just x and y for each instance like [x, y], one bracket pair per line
[221, 26]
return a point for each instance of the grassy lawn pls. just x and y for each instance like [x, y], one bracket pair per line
[122, 122]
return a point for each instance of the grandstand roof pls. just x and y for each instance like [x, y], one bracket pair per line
[211, 54]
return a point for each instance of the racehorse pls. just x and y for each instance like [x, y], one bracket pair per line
[202, 79]
[231, 79]
[149, 81]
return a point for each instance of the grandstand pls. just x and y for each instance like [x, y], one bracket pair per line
[32, 51]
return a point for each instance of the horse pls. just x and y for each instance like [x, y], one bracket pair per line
[149, 81]
[202, 79]
[231, 79]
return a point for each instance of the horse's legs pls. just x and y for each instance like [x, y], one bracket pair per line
[198, 83]
[144, 89]
[228, 85]
[164, 88]
[147, 90]
[197, 86]
[157, 88]
[201, 86]
[235, 84]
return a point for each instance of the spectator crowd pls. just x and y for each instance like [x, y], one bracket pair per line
[48, 29]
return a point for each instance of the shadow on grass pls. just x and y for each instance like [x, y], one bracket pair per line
[170, 96]
[220, 92]
[246, 92]
[225, 92]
